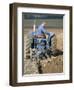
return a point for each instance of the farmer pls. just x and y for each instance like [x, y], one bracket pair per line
[41, 32]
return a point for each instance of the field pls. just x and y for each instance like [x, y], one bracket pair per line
[49, 65]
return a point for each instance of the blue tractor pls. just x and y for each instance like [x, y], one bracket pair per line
[42, 47]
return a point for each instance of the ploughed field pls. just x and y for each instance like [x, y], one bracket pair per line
[53, 64]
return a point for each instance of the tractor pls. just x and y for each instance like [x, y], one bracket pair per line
[42, 48]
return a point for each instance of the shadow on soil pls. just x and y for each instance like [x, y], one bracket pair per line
[57, 52]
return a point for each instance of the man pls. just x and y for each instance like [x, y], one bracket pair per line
[41, 32]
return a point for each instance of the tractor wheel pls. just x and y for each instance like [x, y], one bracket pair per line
[53, 43]
[27, 46]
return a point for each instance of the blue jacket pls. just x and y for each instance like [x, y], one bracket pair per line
[41, 30]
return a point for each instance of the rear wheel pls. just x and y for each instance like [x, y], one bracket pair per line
[53, 43]
[27, 46]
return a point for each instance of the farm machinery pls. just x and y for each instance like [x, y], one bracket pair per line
[42, 48]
